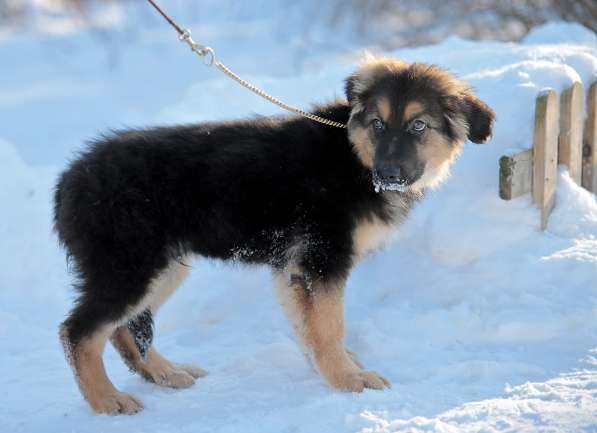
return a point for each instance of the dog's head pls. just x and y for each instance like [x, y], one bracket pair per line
[408, 122]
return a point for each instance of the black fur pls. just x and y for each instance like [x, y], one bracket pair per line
[479, 117]
[141, 328]
[245, 190]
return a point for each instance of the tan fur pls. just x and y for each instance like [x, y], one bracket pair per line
[435, 149]
[160, 288]
[292, 298]
[384, 108]
[369, 235]
[86, 360]
[318, 319]
[167, 282]
[359, 137]
[411, 110]
[438, 155]
[324, 332]
[155, 368]
[460, 127]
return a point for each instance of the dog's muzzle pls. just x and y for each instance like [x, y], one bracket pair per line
[394, 177]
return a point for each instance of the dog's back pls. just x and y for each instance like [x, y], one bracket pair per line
[241, 189]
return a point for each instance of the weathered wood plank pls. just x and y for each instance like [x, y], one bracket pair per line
[589, 160]
[570, 140]
[545, 153]
[516, 174]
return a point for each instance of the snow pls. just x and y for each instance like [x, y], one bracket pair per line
[481, 321]
[567, 400]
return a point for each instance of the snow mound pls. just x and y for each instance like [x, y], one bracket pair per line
[566, 403]
[561, 33]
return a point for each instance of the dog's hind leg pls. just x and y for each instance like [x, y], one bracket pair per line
[84, 335]
[316, 311]
[134, 340]
[154, 367]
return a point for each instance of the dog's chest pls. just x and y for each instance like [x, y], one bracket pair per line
[370, 234]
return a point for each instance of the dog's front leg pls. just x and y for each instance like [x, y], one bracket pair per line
[317, 313]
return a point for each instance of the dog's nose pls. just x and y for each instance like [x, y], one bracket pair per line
[391, 173]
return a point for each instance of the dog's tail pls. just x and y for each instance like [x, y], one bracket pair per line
[58, 226]
[58, 202]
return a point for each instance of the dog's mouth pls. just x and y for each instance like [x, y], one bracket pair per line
[396, 184]
[390, 186]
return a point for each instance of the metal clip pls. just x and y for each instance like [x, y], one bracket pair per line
[199, 49]
[208, 54]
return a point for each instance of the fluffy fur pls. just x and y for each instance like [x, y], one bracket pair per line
[287, 192]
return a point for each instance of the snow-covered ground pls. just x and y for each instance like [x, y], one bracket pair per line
[481, 321]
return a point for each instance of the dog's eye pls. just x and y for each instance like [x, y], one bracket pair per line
[377, 124]
[418, 126]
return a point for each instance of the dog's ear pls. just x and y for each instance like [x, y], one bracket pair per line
[479, 118]
[350, 88]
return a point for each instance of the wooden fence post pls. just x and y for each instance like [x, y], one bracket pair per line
[545, 148]
[570, 140]
[589, 160]
[516, 174]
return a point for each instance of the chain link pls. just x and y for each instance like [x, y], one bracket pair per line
[276, 101]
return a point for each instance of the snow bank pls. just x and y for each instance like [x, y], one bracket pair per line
[558, 33]
[567, 403]
[480, 320]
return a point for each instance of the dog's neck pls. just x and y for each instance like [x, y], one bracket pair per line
[400, 203]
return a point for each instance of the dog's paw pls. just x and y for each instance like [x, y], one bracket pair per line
[117, 403]
[359, 380]
[194, 371]
[173, 378]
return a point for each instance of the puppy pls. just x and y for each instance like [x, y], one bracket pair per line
[309, 200]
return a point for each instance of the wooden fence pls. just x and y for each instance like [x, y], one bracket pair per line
[558, 139]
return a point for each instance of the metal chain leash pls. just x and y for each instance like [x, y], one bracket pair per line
[208, 53]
